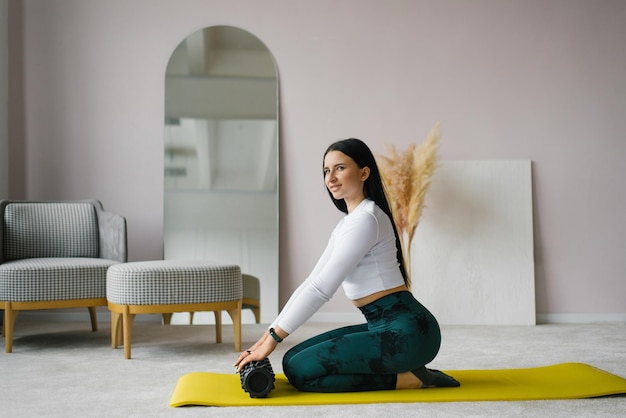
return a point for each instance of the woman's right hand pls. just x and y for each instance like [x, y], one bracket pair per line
[258, 351]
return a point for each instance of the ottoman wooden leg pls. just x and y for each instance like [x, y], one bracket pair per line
[235, 315]
[116, 329]
[128, 330]
[218, 326]
[257, 314]
[93, 317]
[167, 318]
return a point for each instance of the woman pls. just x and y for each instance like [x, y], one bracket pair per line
[363, 255]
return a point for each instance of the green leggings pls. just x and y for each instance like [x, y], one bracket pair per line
[400, 335]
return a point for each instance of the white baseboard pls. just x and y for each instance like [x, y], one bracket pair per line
[76, 315]
[542, 318]
[327, 317]
[579, 318]
[104, 315]
[60, 315]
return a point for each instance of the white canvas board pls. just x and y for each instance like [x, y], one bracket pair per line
[472, 256]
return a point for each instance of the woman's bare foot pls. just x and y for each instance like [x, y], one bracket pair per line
[408, 380]
[422, 378]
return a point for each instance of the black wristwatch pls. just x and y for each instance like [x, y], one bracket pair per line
[275, 336]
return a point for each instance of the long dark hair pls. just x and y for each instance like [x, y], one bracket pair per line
[373, 187]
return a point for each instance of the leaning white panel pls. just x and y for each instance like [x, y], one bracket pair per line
[472, 255]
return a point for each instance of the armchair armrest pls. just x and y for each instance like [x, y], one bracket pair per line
[112, 231]
[3, 204]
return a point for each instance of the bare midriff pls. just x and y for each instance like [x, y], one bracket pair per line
[375, 296]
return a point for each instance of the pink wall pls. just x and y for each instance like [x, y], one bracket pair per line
[536, 79]
[4, 94]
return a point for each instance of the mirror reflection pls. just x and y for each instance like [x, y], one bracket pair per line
[221, 156]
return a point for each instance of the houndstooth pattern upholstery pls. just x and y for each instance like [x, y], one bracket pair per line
[165, 282]
[50, 230]
[55, 254]
[46, 279]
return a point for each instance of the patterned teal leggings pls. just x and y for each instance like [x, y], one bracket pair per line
[400, 335]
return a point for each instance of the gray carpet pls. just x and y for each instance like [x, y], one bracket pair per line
[62, 369]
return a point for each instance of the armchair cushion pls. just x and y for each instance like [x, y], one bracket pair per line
[46, 279]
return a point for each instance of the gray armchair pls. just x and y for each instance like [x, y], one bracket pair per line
[55, 255]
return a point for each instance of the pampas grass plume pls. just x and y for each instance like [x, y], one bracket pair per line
[406, 176]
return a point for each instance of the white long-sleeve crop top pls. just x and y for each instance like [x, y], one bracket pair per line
[360, 255]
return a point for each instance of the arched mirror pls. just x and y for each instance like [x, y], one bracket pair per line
[221, 157]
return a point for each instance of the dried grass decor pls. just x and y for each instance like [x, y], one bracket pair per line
[406, 176]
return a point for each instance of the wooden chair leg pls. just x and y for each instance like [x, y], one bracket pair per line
[167, 318]
[8, 326]
[191, 318]
[94, 318]
[235, 315]
[116, 330]
[127, 323]
[218, 326]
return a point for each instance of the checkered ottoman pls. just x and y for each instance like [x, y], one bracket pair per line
[169, 286]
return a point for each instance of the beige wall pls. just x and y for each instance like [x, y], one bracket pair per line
[4, 93]
[534, 79]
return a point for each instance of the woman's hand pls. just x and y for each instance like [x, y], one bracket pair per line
[259, 351]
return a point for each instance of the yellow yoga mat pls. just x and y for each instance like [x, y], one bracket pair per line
[561, 381]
